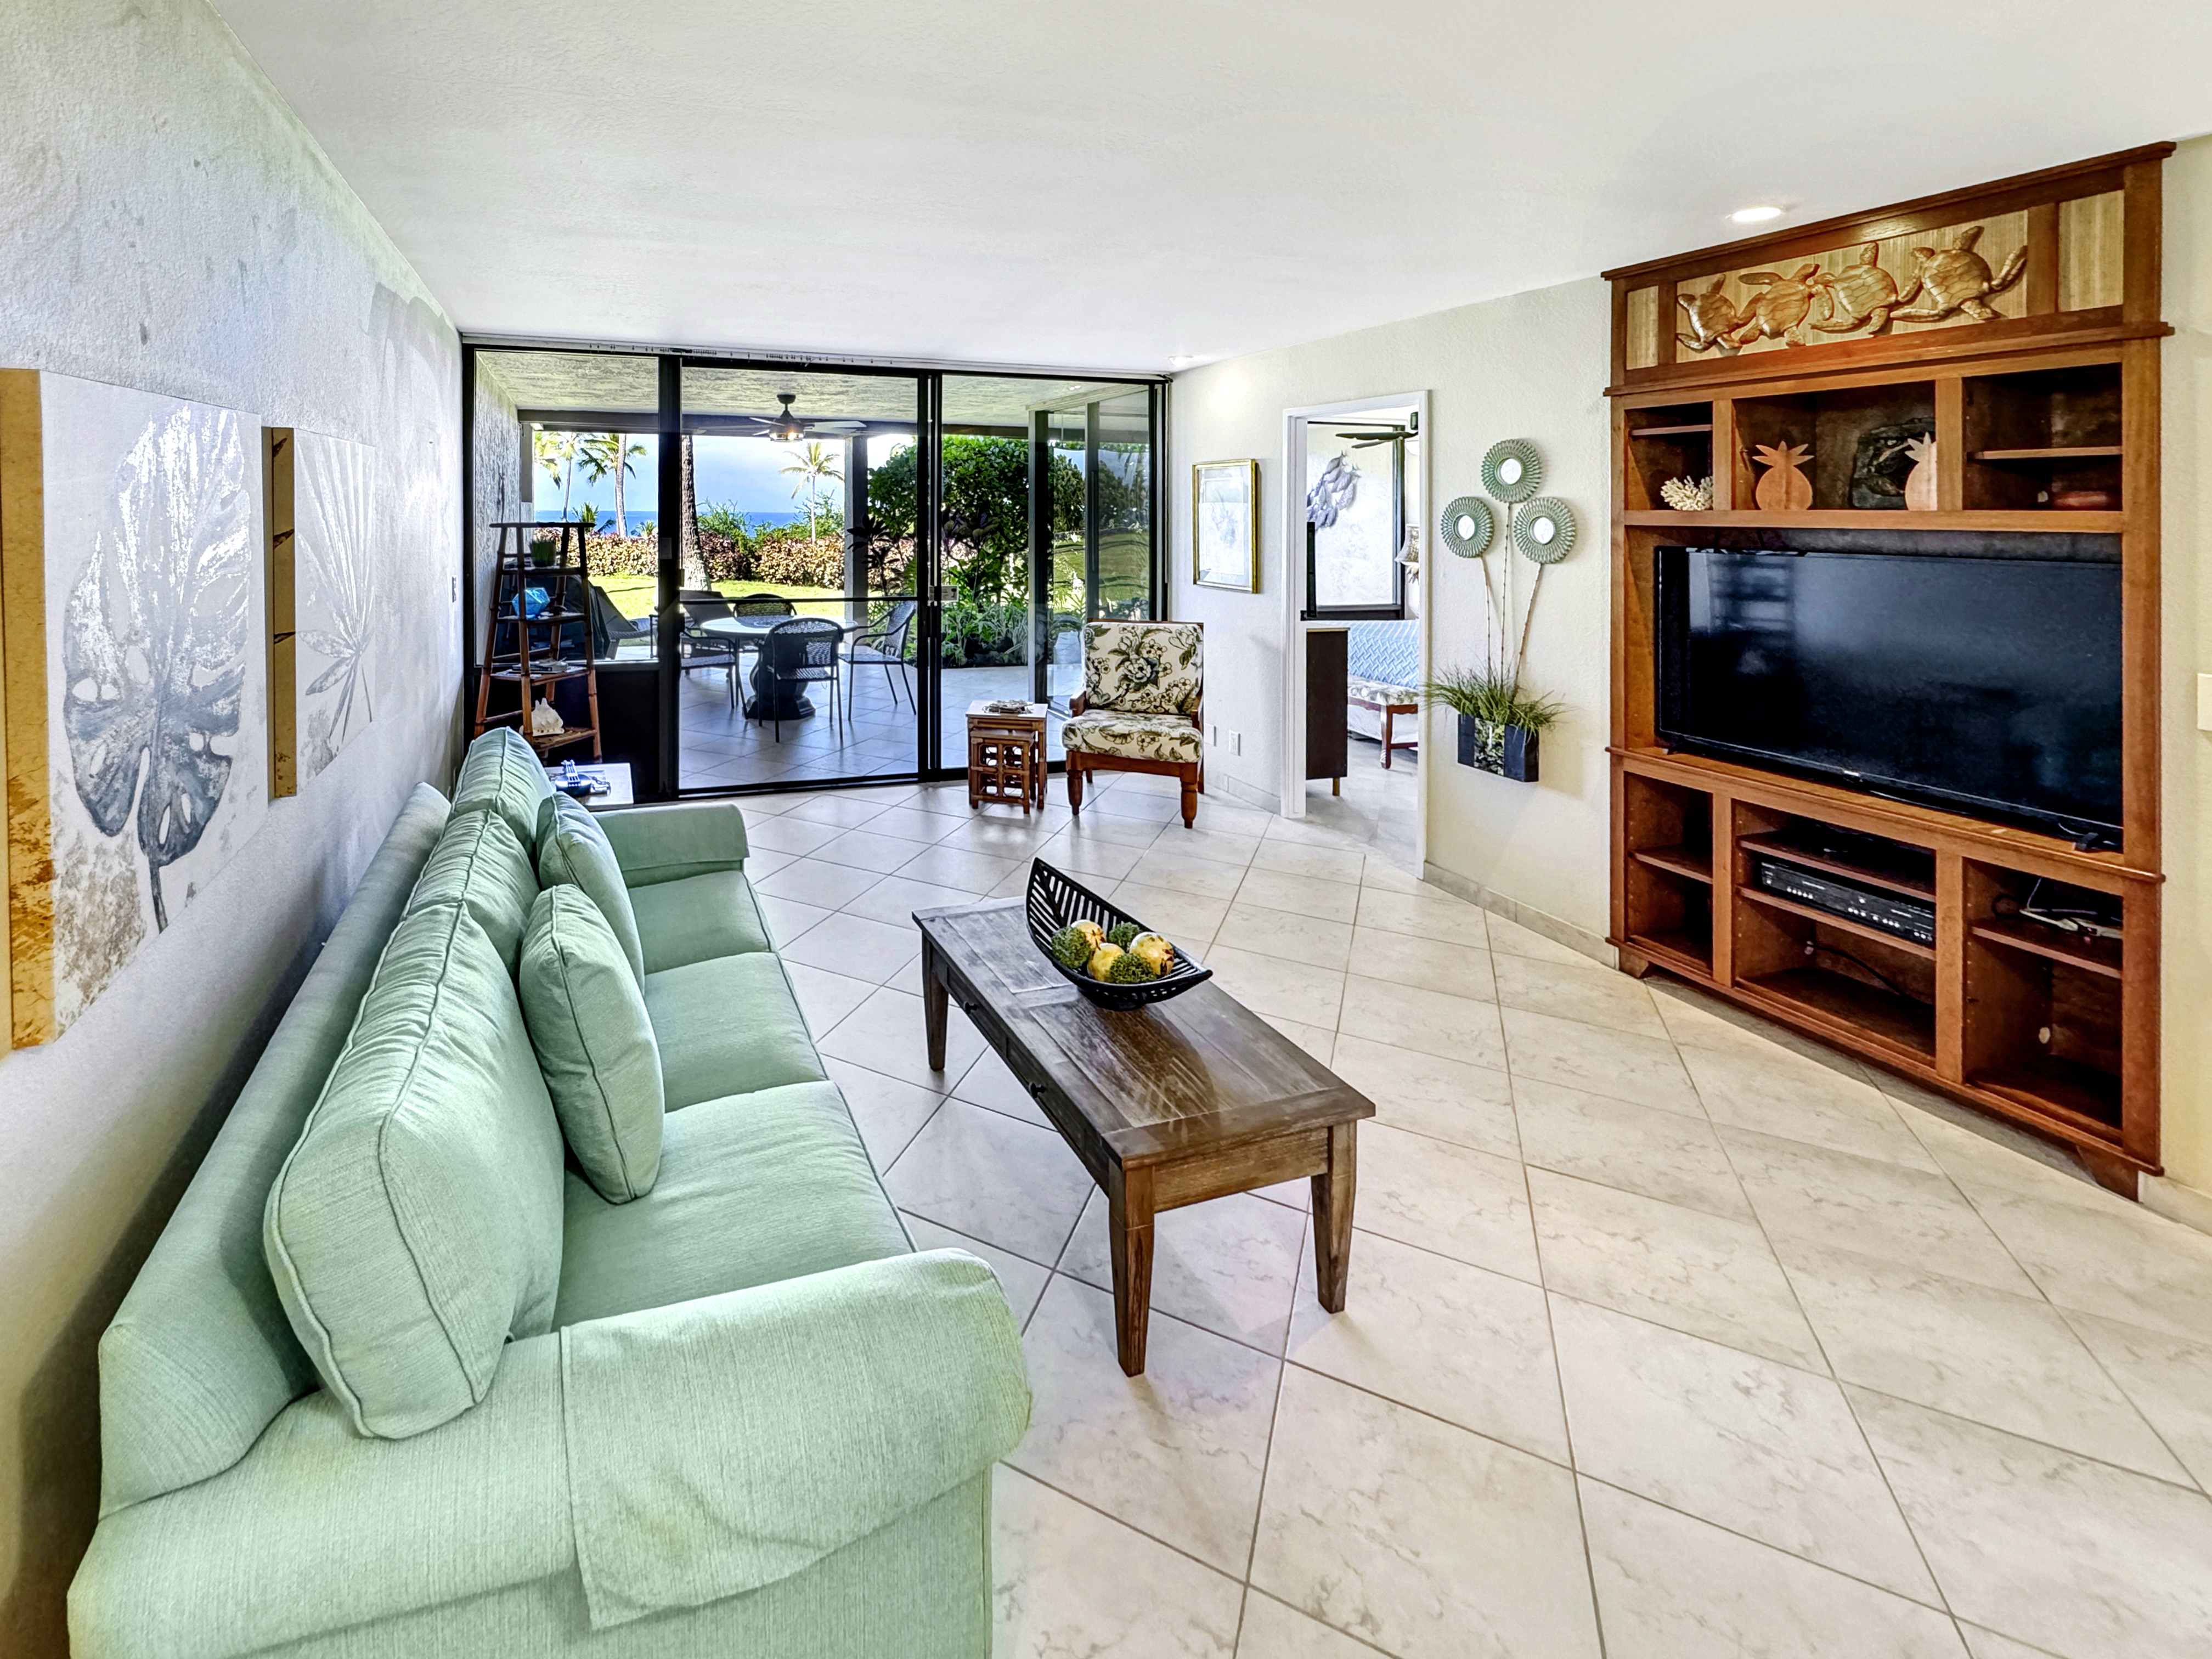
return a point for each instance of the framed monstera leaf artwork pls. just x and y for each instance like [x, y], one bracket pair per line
[137, 682]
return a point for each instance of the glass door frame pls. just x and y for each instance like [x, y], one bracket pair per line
[1040, 548]
[667, 425]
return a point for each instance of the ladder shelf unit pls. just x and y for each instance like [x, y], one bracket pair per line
[528, 641]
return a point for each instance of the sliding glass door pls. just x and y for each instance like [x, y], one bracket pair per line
[823, 568]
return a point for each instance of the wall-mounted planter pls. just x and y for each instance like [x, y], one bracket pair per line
[1508, 750]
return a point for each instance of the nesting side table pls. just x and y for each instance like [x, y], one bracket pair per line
[1006, 755]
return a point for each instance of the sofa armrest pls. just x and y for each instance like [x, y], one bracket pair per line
[785, 1421]
[318, 1528]
[743, 1436]
[655, 844]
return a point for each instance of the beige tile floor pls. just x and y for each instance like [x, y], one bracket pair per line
[1669, 1333]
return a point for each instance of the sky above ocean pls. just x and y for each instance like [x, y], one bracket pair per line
[746, 474]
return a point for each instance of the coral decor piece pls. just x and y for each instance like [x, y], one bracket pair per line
[545, 721]
[1783, 487]
[1688, 495]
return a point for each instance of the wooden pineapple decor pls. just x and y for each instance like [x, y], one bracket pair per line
[1920, 482]
[1783, 487]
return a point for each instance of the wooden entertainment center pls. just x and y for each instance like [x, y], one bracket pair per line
[2017, 324]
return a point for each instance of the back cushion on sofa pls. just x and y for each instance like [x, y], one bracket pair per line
[595, 1046]
[503, 775]
[416, 1225]
[479, 861]
[200, 1358]
[572, 848]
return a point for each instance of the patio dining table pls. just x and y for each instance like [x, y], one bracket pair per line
[752, 630]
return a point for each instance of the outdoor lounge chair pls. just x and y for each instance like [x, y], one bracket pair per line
[611, 630]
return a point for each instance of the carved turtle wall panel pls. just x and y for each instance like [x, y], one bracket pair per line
[1849, 292]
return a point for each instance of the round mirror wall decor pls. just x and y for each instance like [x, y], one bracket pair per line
[1544, 529]
[1513, 472]
[1467, 527]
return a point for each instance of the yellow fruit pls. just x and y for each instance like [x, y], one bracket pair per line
[1155, 951]
[1090, 930]
[1102, 959]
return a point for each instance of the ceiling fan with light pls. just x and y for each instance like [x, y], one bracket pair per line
[786, 427]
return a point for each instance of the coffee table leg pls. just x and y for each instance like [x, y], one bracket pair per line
[1331, 1215]
[1129, 1241]
[932, 1004]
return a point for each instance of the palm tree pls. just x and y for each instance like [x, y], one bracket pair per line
[556, 453]
[610, 452]
[813, 464]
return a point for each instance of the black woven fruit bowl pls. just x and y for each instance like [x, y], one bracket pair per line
[1055, 901]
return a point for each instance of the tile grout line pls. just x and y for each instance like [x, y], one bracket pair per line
[1919, 1549]
[1274, 1416]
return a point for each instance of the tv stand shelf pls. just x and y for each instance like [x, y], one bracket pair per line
[2043, 423]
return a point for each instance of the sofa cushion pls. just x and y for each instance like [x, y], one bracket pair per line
[573, 849]
[753, 1189]
[1132, 736]
[416, 1225]
[503, 775]
[587, 1021]
[693, 917]
[727, 1026]
[200, 1358]
[478, 862]
[1144, 667]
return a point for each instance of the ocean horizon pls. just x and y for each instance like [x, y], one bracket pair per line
[648, 517]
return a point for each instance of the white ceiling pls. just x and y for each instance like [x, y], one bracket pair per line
[1114, 186]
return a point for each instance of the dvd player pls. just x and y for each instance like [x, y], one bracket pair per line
[1840, 895]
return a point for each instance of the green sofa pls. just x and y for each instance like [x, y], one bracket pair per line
[748, 1420]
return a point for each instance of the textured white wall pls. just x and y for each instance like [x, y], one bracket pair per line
[2186, 541]
[166, 224]
[1529, 366]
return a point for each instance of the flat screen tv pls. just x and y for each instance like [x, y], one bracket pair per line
[1987, 686]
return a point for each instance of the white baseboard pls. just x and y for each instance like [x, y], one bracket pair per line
[2175, 1201]
[1580, 939]
[1250, 795]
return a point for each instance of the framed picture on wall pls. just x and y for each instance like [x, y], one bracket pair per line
[1225, 524]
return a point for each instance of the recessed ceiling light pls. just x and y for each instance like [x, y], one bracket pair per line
[1755, 215]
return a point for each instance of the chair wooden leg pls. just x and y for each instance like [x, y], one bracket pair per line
[1387, 719]
[1074, 786]
[1189, 796]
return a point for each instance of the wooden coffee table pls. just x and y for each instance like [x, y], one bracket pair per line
[1189, 1099]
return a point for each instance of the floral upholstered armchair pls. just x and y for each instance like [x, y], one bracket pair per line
[1143, 685]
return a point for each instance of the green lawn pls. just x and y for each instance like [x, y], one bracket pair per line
[634, 595]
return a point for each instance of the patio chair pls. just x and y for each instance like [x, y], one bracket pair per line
[885, 644]
[611, 630]
[793, 655]
[1141, 709]
[701, 648]
[754, 605]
